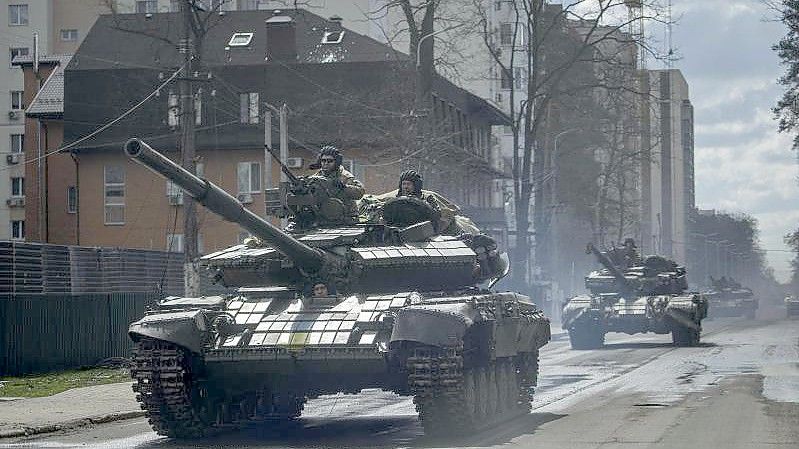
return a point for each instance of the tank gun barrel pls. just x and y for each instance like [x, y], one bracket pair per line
[225, 205]
[607, 263]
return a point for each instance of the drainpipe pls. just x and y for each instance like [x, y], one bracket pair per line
[77, 196]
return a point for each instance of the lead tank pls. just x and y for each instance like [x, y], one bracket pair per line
[633, 296]
[728, 298]
[409, 316]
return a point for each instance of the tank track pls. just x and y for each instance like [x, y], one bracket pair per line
[453, 400]
[177, 406]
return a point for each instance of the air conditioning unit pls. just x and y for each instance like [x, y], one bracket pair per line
[14, 115]
[16, 202]
[294, 162]
[13, 158]
[175, 200]
[245, 198]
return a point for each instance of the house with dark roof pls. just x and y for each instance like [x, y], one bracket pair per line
[50, 197]
[340, 87]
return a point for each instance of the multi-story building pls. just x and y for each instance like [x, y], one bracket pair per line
[342, 88]
[668, 184]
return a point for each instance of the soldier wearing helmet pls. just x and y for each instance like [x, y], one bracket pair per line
[449, 222]
[345, 186]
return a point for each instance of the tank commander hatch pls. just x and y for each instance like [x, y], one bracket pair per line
[447, 219]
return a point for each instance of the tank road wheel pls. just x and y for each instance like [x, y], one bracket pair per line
[586, 337]
[176, 406]
[527, 376]
[452, 400]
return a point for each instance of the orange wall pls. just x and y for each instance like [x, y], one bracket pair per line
[148, 215]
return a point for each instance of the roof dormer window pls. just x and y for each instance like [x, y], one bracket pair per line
[333, 37]
[240, 40]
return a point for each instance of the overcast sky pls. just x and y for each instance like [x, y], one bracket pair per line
[742, 164]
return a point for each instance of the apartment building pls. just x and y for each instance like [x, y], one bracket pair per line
[668, 183]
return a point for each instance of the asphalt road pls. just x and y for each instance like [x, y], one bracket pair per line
[739, 389]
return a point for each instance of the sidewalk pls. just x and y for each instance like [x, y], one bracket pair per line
[70, 409]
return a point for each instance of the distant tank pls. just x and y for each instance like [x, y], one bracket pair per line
[729, 298]
[792, 306]
[404, 311]
[633, 296]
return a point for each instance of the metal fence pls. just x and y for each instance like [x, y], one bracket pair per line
[48, 332]
[45, 268]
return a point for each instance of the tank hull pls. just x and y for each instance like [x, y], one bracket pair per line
[732, 304]
[588, 318]
[246, 359]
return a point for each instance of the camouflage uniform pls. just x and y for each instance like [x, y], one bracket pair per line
[343, 184]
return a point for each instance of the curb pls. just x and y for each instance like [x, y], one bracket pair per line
[15, 432]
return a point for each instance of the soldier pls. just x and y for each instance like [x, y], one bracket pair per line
[320, 290]
[449, 222]
[345, 186]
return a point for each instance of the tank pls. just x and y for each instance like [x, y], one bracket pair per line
[406, 310]
[792, 306]
[728, 298]
[634, 295]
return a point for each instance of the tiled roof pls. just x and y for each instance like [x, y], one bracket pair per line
[50, 98]
[129, 41]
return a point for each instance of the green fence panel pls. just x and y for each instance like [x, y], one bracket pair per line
[46, 332]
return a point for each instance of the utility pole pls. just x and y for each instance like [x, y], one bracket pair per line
[191, 266]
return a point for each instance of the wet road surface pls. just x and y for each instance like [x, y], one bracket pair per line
[739, 388]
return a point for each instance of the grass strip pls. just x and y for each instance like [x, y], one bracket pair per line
[40, 385]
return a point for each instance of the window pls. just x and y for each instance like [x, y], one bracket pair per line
[506, 34]
[333, 37]
[19, 51]
[72, 200]
[16, 100]
[198, 107]
[17, 15]
[17, 143]
[114, 194]
[174, 193]
[17, 187]
[174, 243]
[245, 5]
[497, 6]
[518, 76]
[240, 39]
[172, 110]
[146, 6]
[498, 97]
[17, 229]
[506, 82]
[69, 35]
[249, 107]
[249, 177]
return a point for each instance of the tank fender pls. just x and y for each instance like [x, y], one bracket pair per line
[185, 329]
[434, 324]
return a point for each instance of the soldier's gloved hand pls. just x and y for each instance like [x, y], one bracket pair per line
[339, 184]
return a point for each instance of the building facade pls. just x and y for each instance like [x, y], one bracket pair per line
[351, 92]
[668, 183]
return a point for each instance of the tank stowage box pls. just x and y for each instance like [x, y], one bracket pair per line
[631, 295]
[401, 309]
